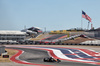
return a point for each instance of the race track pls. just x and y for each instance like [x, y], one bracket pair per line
[36, 56]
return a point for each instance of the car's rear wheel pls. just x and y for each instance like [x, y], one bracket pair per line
[58, 60]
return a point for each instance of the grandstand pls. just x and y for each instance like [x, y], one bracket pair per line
[96, 32]
[41, 36]
[6, 36]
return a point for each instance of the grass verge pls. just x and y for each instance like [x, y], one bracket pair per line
[11, 52]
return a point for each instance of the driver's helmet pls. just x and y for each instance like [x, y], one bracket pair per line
[51, 57]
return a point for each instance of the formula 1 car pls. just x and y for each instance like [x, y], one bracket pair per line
[50, 59]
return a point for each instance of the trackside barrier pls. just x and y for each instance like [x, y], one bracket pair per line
[68, 38]
[2, 50]
[38, 43]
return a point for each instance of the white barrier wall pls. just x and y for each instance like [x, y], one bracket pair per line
[2, 49]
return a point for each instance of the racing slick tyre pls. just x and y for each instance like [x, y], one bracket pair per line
[58, 60]
[45, 59]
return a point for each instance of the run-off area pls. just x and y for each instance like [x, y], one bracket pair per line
[67, 55]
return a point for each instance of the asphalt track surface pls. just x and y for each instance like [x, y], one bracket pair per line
[36, 56]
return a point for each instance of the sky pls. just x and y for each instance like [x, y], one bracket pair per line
[49, 14]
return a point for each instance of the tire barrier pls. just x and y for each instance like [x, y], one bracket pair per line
[39, 43]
